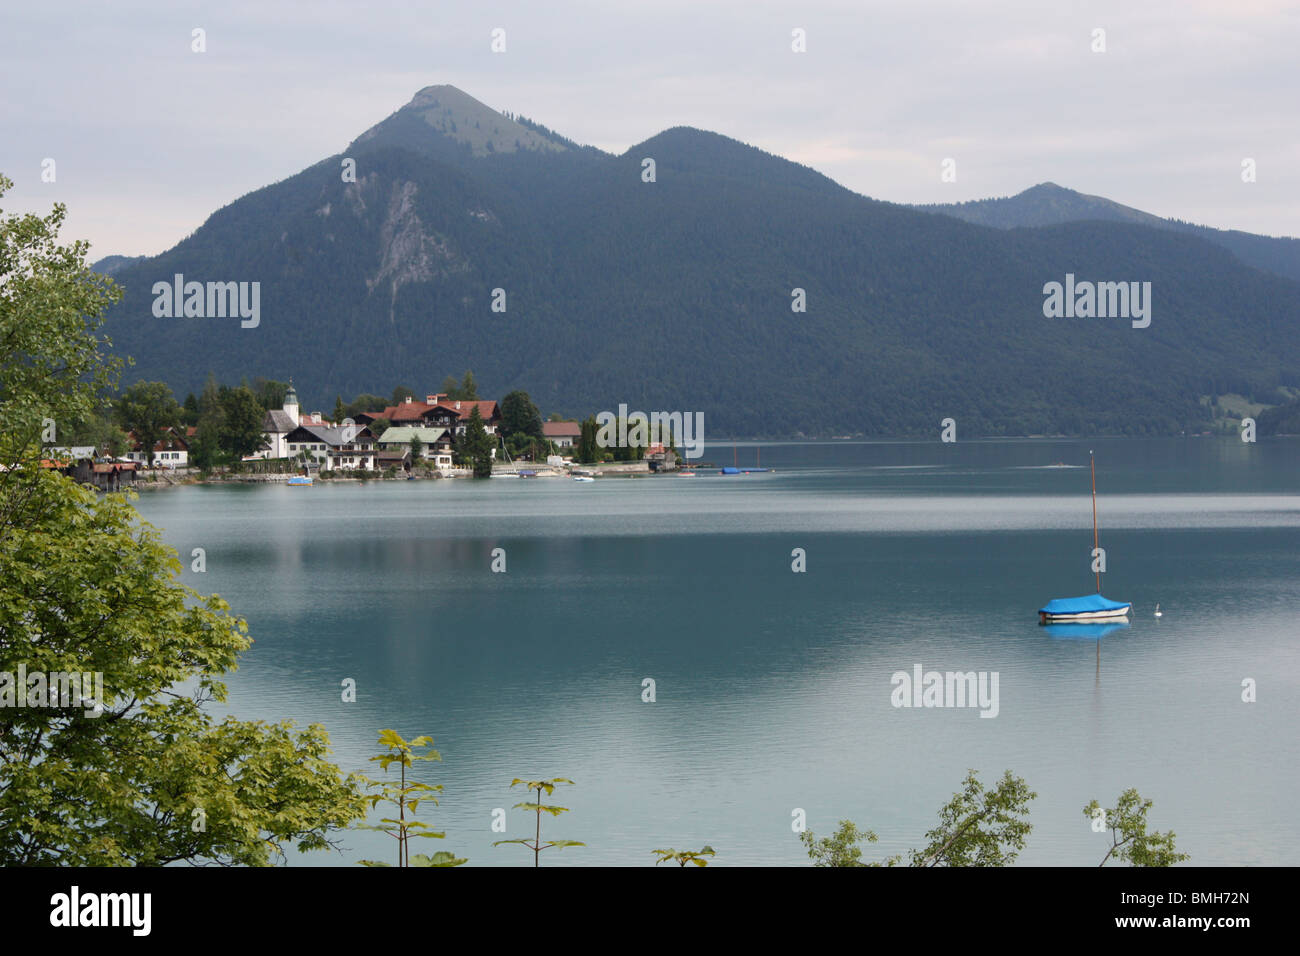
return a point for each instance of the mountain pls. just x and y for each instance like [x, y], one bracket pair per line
[111, 265]
[676, 294]
[1048, 204]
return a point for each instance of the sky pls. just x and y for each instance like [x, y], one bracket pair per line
[149, 137]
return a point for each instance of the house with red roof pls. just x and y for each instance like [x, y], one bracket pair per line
[170, 451]
[563, 434]
[439, 411]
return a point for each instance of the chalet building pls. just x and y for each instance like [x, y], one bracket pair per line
[170, 451]
[436, 442]
[333, 448]
[439, 411]
[563, 434]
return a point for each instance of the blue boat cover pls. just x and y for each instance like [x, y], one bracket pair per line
[1082, 605]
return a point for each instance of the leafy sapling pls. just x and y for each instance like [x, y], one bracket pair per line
[406, 796]
[536, 844]
[682, 857]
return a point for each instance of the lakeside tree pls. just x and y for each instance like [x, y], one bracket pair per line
[980, 827]
[977, 827]
[340, 412]
[519, 416]
[205, 446]
[400, 394]
[190, 410]
[52, 371]
[133, 770]
[537, 807]
[1130, 841]
[588, 451]
[148, 409]
[477, 445]
[241, 432]
[417, 448]
[840, 848]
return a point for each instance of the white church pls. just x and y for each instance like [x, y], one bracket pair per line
[278, 423]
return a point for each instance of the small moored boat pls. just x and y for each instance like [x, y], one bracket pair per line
[1091, 608]
[299, 480]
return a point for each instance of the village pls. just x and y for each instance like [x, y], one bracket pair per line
[409, 439]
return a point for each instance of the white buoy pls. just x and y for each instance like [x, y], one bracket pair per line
[1158, 614]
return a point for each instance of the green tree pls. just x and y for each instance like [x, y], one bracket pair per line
[682, 857]
[365, 403]
[205, 447]
[400, 394]
[477, 445]
[839, 849]
[134, 771]
[466, 390]
[99, 431]
[537, 807]
[379, 426]
[519, 416]
[270, 393]
[980, 827]
[406, 795]
[588, 451]
[144, 776]
[340, 412]
[148, 409]
[241, 432]
[1130, 841]
[190, 410]
[417, 448]
[52, 367]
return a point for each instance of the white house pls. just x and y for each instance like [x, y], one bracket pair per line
[333, 448]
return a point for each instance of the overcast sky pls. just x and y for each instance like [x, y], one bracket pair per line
[149, 138]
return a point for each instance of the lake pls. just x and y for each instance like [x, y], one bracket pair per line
[773, 688]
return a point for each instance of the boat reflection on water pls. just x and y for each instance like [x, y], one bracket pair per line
[1088, 632]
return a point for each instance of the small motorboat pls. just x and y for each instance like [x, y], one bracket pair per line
[299, 480]
[583, 478]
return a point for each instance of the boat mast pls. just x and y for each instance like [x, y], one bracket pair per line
[1093, 462]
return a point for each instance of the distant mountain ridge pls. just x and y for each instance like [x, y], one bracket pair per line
[681, 293]
[1048, 204]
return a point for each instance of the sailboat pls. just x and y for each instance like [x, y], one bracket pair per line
[1091, 608]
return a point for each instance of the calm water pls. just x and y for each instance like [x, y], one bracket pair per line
[773, 688]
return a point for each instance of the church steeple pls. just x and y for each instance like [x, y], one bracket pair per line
[291, 404]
